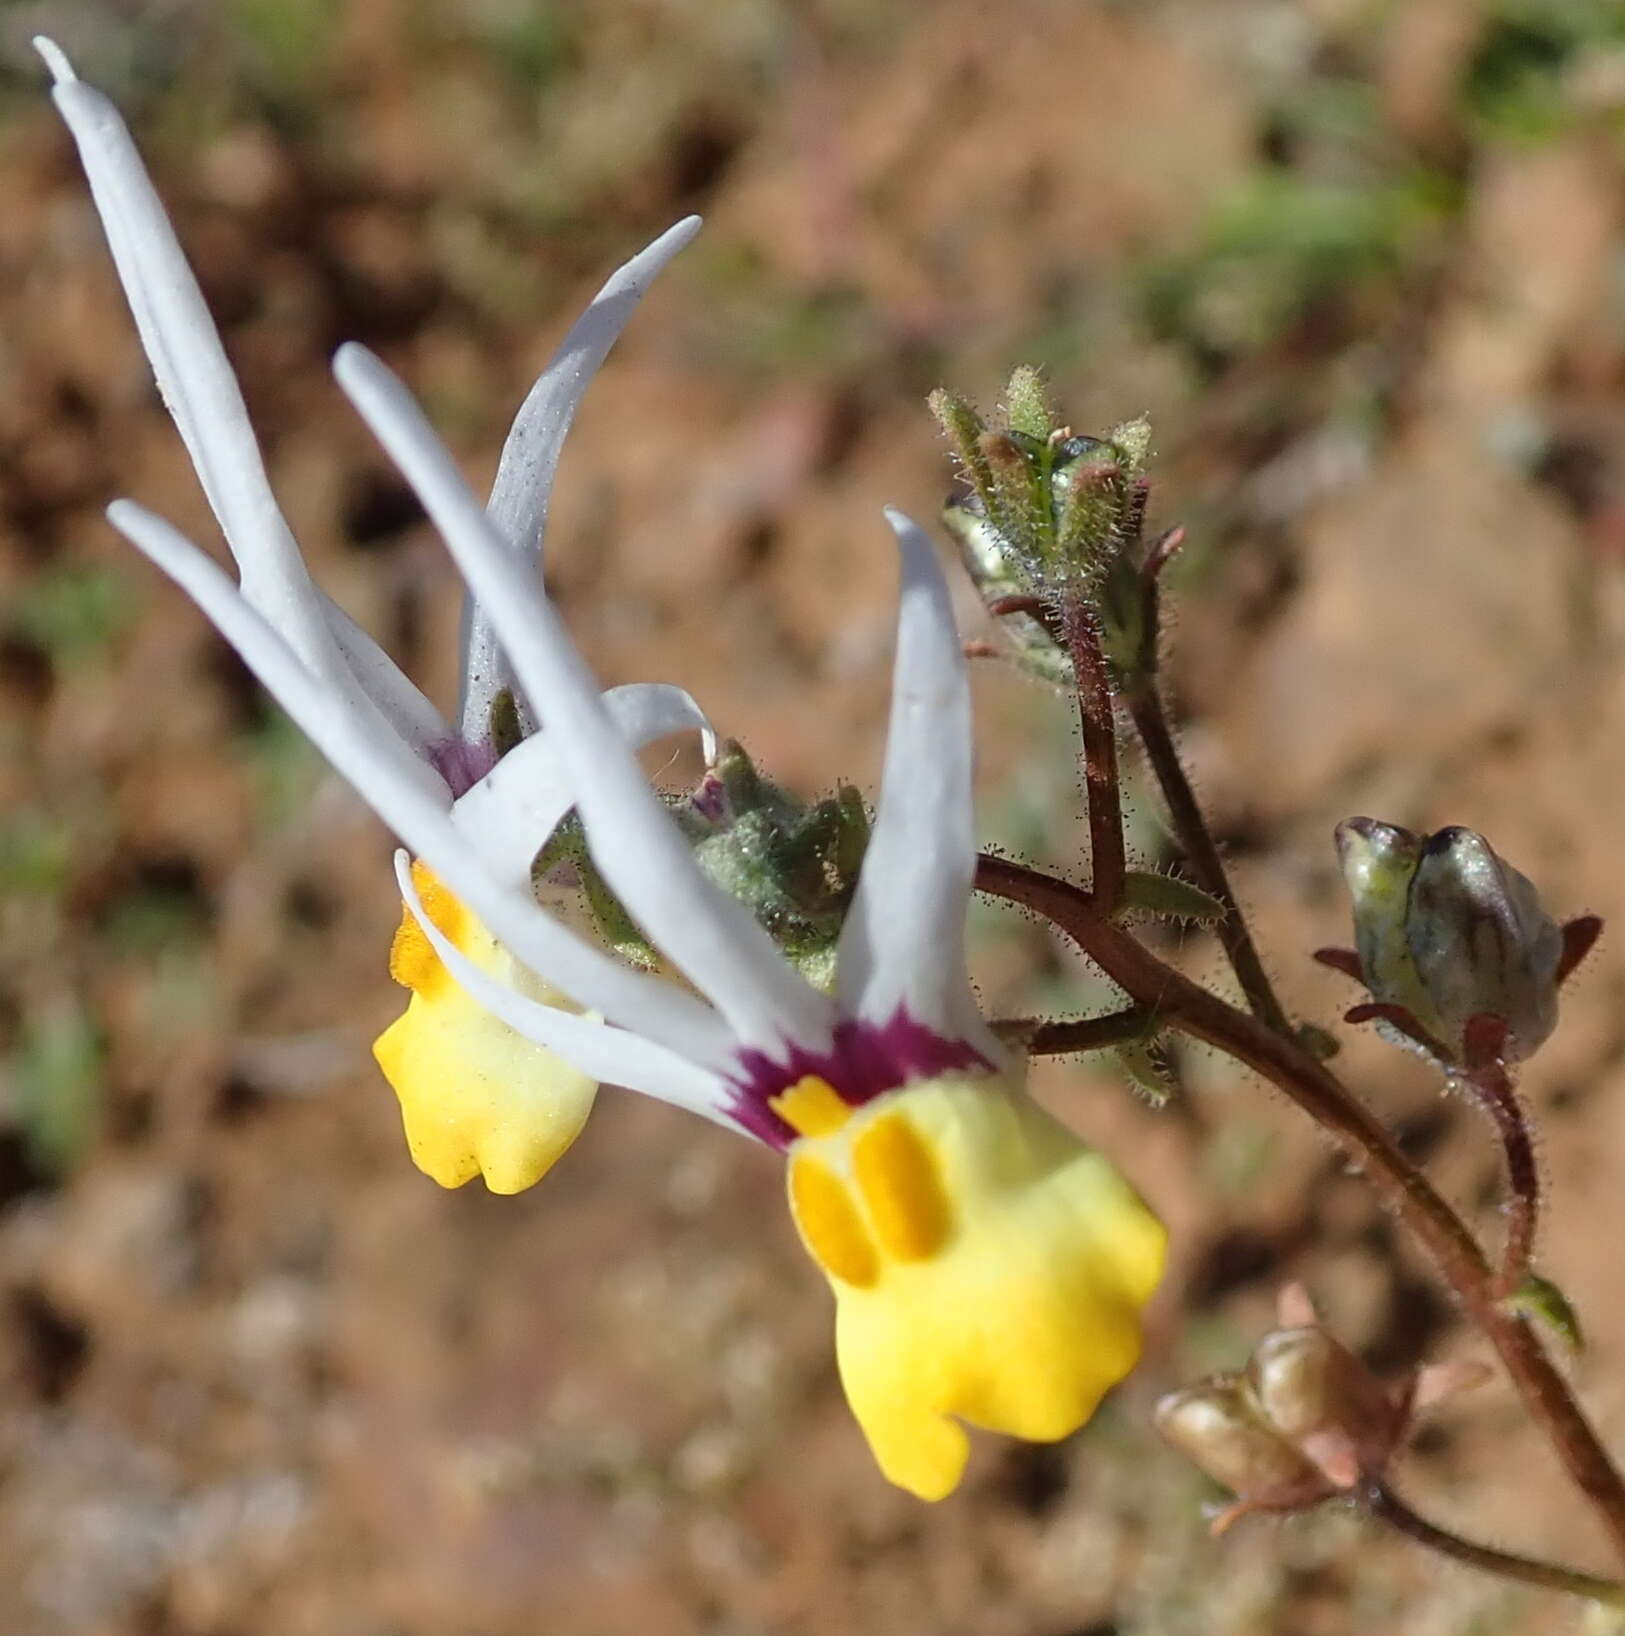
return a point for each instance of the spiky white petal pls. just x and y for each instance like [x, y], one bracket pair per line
[530, 457]
[635, 845]
[398, 699]
[201, 392]
[903, 942]
[414, 803]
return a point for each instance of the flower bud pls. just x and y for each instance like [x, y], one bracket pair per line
[793, 866]
[1449, 930]
[1047, 510]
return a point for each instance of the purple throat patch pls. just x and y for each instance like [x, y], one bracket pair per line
[461, 764]
[864, 1061]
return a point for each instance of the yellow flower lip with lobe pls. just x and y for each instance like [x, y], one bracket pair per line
[477, 1098]
[987, 1266]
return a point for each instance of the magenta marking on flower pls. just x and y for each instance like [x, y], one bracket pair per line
[710, 799]
[461, 763]
[865, 1060]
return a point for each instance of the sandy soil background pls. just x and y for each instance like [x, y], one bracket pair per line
[1362, 263]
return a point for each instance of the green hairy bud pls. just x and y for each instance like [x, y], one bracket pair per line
[1047, 510]
[793, 866]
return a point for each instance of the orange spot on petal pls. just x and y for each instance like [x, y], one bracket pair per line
[829, 1223]
[412, 960]
[898, 1177]
[811, 1107]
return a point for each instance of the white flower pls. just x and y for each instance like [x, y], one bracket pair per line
[987, 1267]
[512, 1126]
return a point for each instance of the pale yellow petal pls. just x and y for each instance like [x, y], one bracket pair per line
[476, 1097]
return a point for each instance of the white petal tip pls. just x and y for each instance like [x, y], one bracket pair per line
[351, 359]
[633, 277]
[913, 543]
[56, 59]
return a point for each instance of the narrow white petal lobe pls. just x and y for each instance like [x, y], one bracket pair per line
[611, 1055]
[634, 843]
[903, 943]
[415, 804]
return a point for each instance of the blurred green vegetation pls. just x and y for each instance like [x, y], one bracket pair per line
[159, 911]
[35, 854]
[286, 768]
[71, 612]
[55, 1080]
[282, 46]
[1522, 82]
[1283, 243]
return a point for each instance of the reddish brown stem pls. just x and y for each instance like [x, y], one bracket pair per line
[1487, 1081]
[1085, 1033]
[1095, 714]
[1384, 1504]
[1187, 1006]
[1151, 722]
[1493, 1091]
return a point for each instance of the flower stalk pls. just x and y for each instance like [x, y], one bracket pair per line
[1096, 715]
[1487, 1080]
[1150, 718]
[1146, 710]
[1381, 1502]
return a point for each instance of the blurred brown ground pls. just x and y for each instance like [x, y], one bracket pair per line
[1364, 266]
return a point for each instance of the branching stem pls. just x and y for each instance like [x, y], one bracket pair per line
[1187, 1006]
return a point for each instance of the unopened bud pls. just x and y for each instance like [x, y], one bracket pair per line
[1449, 930]
[793, 866]
[1047, 512]
[997, 575]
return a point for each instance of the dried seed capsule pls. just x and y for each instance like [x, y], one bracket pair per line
[1217, 1426]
